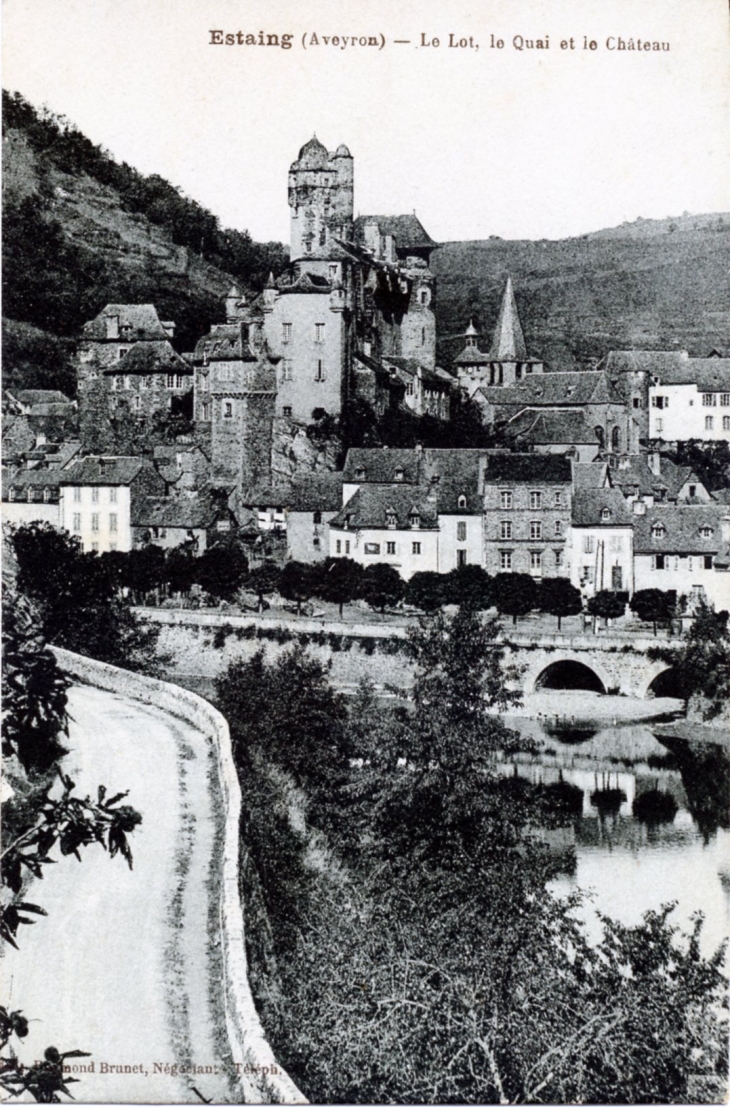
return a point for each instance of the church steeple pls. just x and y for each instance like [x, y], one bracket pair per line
[508, 343]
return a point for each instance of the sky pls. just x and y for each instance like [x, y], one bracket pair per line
[517, 142]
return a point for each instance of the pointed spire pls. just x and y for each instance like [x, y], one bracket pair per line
[508, 343]
[471, 331]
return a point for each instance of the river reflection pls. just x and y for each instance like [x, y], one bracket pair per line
[678, 850]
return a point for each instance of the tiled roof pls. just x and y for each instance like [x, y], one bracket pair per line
[380, 466]
[555, 389]
[710, 374]
[372, 507]
[316, 492]
[188, 512]
[38, 396]
[675, 528]
[146, 358]
[137, 323]
[590, 475]
[471, 355]
[552, 427]
[532, 468]
[650, 361]
[590, 505]
[448, 475]
[103, 470]
[225, 342]
[508, 342]
[407, 230]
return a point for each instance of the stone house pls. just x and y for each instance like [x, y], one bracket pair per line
[31, 496]
[99, 497]
[601, 553]
[199, 519]
[395, 525]
[314, 500]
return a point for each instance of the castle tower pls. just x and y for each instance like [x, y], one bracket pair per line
[321, 198]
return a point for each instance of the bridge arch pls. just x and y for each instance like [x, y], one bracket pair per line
[566, 670]
[660, 680]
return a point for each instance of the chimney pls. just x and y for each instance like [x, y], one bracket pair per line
[654, 461]
[639, 507]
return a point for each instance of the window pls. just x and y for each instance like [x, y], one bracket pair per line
[286, 369]
[637, 402]
[205, 410]
[77, 495]
[390, 548]
[333, 272]
[535, 499]
[94, 547]
[410, 389]
[660, 402]
[726, 422]
[371, 547]
[112, 495]
[706, 532]
[319, 332]
[46, 495]
[558, 528]
[414, 519]
[360, 473]
[461, 532]
[136, 403]
[659, 561]
[692, 491]
[535, 529]
[658, 530]
[505, 559]
[121, 352]
[558, 559]
[460, 558]
[227, 409]
[112, 522]
[286, 411]
[424, 296]
[391, 519]
[535, 561]
[286, 332]
[709, 422]
[605, 515]
[505, 529]
[112, 546]
[462, 501]
[423, 336]
[127, 383]
[11, 494]
[30, 495]
[94, 495]
[505, 500]
[319, 373]
[615, 439]
[708, 561]
[586, 574]
[317, 518]
[316, 543]
[95, 522]
[203, 384]
[399, 474]
[338, 547]
[416, 548]
[558, 499]
[709, 399]
[588, 544]
[77, 522]
[725, 399]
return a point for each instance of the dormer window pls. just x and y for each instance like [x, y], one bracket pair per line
[399, 474]
[30, 495]
[462, 502]
[605, 515]
[706, 532]
[658, 530]
[391, 518]
[435, 479]
[46, 495]
[360, 473]
[414, 519]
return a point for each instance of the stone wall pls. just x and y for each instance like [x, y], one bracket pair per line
[262, 1080]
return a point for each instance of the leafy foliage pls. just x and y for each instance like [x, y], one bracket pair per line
[607, 605]
[652, 605]
[382, 586]
[341, 581]
[559, 597]
[514, 594]
[703, 666]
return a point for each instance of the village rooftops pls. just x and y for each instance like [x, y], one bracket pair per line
[648, 361]
[528, 468]
[127, 323]
[676, 529]
[382, 466]
[634, 475]
[600, 507]
[389, 508]
[556, 389]
[146, 358]
[571, 427]
[104, 470]
[407, 231]
[710, 374]
[186, 513]
[315, 492]
[42, 484]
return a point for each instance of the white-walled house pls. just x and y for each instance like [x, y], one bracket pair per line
[691, 400]
[97, 498]
[31, 496]
[601, 542]
[396, 526]
[685, 549]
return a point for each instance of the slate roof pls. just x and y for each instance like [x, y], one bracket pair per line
[371, 506]
[407, 230]
[560, 389]
[472, 355]
[532, 468]
[508, 342]
[590, 475]
[449, 474]
[551, 427]
[313, 155]
[380, 466]
[590, 503]
[188, 513]
[634, 472]
[710, 374]
[38, 396]
[103, 470]
[316, 492]
[650, 361]
[23, 479]
[137, 323]
[225, 342]
[682, 527]
[146, 358]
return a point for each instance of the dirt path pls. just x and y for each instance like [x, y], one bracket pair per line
[126, 964]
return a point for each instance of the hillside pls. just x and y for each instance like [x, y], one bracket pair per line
[651, 284]
[80, 230]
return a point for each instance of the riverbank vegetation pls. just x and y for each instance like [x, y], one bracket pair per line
[404, 944]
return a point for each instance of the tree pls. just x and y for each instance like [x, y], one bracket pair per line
[703, 665]
[341, 581]
[382, 586]
[559, 597]
[471, 585]
[298, 582]
[652, 605]
[514, 594]
[142, 570]
[426, 590]
[607, 605]
[180, 568]
[264, 580]
[222, 569]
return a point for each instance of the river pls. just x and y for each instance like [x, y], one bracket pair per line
[628, 865]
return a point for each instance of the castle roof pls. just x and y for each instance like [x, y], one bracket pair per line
[146, 358]
[137, 322]
[407, 230]
[508, 343]
[342, 151]
[225, 342]
[313, 155]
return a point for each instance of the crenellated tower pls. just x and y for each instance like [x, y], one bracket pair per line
[321, 198]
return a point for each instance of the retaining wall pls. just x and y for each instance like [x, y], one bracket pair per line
[262, 1078]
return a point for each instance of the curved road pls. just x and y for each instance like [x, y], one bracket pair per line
[126, 964]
